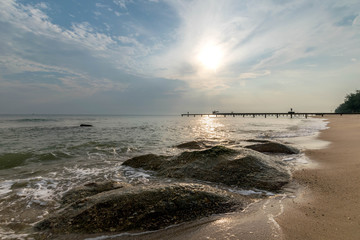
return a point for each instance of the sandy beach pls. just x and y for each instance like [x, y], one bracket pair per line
[329, 205]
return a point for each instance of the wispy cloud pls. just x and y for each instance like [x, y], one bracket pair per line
[175, 47]
[255, 36]
[356, 21]
[120, 50]
[251, 75]
[84, 34]
[122, 3]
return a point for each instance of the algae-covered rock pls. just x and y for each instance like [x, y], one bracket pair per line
[141, 208]
[243, 168]
[274, 147]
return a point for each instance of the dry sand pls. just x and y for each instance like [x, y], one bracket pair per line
[329, 206]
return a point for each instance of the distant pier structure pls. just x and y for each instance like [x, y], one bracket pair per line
[290, 114]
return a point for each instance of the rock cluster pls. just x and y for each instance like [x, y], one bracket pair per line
[140, 208]
[111, 206]
[243, 168]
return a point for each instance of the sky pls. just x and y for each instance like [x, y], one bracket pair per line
[177, 56]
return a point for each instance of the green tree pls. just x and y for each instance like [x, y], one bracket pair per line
[351, 104]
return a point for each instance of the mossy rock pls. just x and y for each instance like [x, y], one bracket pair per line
[141, 208]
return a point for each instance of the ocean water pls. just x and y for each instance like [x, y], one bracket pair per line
[43, 156]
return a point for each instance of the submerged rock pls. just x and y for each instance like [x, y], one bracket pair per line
[141, 208]
[85, 125]
[274, 147]
[244, 168]
[257, 140]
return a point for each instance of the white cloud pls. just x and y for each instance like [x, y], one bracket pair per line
[122, 3]
[100, 5]
[356, 21]
[73, 82]
[251, 75]
[31, 19]
[127, 40]
[14, 64]
[42, 5]
[84, 34]
[29, 23]
[254, 36]
[27, 18]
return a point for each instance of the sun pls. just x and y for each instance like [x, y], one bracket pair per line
[210, 56]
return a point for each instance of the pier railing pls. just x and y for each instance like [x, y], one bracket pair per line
[277, 115]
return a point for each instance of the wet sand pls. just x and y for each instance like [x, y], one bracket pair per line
[329, 205]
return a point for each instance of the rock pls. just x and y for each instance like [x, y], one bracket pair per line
[257, 140]
[274, 147]
[90, 189]
[192, 145]
[141, 208]
[148, 162]
[85, 125]
[243, 168]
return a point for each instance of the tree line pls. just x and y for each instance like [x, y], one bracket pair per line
[351, 104]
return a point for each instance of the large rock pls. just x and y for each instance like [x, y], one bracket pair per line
[141, 207]
[244, 168]
[273, 147]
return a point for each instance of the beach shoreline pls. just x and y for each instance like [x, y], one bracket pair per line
[328, 206]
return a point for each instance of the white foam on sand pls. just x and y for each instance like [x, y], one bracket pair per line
[251, 192]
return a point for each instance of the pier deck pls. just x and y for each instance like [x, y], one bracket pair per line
[277, 115]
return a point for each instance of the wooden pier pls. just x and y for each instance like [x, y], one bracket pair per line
[253, 115]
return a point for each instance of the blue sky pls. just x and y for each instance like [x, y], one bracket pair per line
[172, 56]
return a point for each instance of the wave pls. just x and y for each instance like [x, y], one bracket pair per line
[11, 160]
[105, 147]
[35, 120]
[52, 156]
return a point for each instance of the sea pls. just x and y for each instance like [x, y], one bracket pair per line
[43, 156]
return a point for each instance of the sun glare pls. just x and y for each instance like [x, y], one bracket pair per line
[210, 56]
